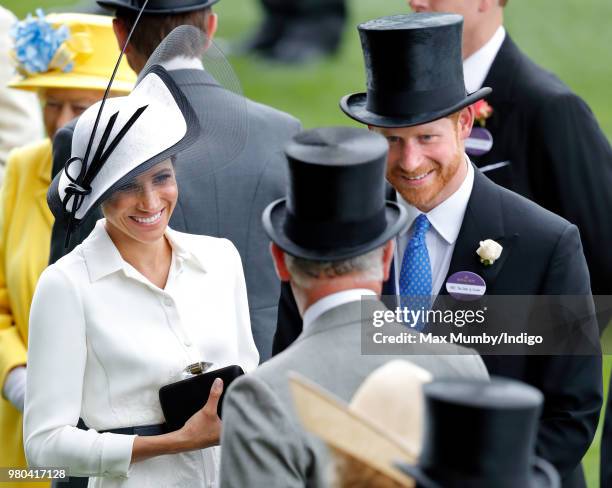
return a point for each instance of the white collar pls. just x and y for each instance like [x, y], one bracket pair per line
[447, 217]
[182, 62]
[477, 66]
[103, 258]
[332, 301]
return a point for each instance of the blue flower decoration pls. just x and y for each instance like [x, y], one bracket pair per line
[37, 41]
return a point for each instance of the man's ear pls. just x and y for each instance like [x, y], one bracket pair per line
[465, 122]
[278, 256]
[211, 25]
[121, 33]
[132, 56]
[388, 258]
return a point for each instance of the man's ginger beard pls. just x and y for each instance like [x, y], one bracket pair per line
[421, 196]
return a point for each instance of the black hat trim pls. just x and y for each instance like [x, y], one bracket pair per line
[356, 107]
[173, 9]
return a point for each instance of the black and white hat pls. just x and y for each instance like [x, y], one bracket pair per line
[117, 139]
[137, 131]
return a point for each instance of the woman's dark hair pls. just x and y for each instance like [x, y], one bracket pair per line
[153, 29]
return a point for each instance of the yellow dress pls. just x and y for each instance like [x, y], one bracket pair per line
[25, 235]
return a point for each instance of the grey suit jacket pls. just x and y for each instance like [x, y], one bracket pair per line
[263, 443]
[224, 187]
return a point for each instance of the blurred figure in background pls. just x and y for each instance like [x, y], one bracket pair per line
[20, 120]
[298, 31]
[66, 59]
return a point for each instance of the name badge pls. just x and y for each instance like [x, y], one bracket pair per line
[479, 143]
[466, 286]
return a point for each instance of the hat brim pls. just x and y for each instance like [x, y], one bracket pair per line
[346, 431]
[543, 475]
[114, 4]
[354, 106]
[275, 215]
[70, 81]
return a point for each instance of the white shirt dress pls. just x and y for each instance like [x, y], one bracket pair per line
[104, 339]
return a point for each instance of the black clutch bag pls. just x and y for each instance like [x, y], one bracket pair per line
[180, 400]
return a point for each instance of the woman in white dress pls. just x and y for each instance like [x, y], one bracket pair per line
[131, 307]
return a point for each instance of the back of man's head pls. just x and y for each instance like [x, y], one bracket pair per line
[152, 29]
[308, 274]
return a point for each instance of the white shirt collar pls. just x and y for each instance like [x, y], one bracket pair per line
[332, 301]
[182, 62]
[103, 258]
[447, 217]
[477, 66]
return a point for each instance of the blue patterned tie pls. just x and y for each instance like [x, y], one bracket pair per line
[415, 275]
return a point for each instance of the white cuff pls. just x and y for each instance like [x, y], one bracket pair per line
[117, 454]
[15, 387]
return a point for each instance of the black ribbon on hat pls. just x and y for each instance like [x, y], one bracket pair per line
[80, 187]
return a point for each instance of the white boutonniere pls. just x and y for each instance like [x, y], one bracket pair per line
[489, 251]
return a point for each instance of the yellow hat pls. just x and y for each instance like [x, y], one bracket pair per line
[68, 51]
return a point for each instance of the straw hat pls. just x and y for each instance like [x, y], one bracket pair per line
[68, 50]
[382, 424]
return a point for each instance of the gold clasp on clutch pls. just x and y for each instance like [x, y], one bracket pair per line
[196, 368]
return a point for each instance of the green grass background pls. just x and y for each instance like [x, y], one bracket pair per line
[571, 38]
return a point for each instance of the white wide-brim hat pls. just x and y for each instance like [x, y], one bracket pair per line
[133, 134]
[382, 423]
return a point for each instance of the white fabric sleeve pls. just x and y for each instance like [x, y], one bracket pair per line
[247, 350]
[14, 387]
[57, 354]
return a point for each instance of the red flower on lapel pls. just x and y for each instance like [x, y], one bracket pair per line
[482, 111]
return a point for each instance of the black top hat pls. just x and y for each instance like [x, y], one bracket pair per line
[481, 435]
[336, 207]
[414, 71]
[159, 6]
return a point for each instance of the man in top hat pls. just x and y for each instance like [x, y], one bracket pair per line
[419, 103]
[224, 186]
[540, 140]
[333, 242]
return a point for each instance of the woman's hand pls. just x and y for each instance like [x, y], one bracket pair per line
[202, 430]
